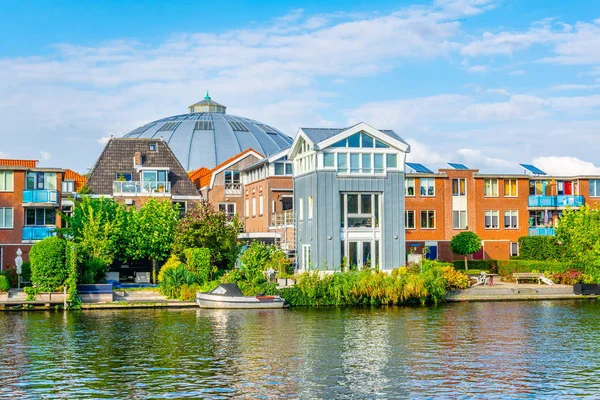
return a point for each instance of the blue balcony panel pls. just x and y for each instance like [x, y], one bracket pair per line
[569, 201]
[38, 232]
[533, 231]
[40, 196]
[542, 201]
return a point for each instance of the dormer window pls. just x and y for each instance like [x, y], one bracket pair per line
[152, 146]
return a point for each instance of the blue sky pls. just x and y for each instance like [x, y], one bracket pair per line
[489, 83]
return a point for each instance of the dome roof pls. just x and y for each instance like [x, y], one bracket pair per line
[207, 136]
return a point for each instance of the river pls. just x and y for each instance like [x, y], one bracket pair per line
[470, 350]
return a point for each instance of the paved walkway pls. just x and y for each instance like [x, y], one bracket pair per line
[511, 291]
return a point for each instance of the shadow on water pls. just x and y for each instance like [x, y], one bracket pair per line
[516, 349]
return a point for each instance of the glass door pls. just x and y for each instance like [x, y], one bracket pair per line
[360, 254]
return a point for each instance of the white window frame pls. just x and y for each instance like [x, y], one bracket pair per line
[8, 180]
[254, 206]
[511, 213]
[247, 208]
[491, 214]
[459, 192]
[491, 192]
[227, 208]
[3, 211]
[406, 186]
[300, 209]
[516, 194]
[310, 207]
[306, 257]
[427, 219]
[511, 249]
[414, 220]
[261, 205]
[428, 180]
[70, 183]
[375, 219]
[459, 227]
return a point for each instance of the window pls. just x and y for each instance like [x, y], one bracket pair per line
[511, 219]
[428, 219]
[490, 219]
[514, 249]
[123, 176]
[306, 257]
[328, 159]
[40, 216]
[459, 187]
[289, 169]
[300, 209]
[359, 210]
[427, 187]
[510, 188]
[310, 207]
[459, 220]
[6, 181]
[261, 206]
[409, 219]
[392, 160]
[287, 203]
[68, 186]
[490, 187]
[594, 188]
[537, 188]
[354, 140]
[342, 162]
[232, 177]
[409, 186]
[6, 218]
[354, 163]
[366, 164]
[378, 162]
[540, 219]
[228, 208]
[152, 147]
[282, 168]
[40, 181]
[247, 207]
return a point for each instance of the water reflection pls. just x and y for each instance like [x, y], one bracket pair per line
[500, 350]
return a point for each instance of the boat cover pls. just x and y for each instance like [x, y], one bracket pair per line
[227, 289]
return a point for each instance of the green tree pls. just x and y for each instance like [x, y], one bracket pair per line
[201, 227]
[151, 232]
[579, 233]
[48, 271]
[465, 243]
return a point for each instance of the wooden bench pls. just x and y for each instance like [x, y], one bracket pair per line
[532, 276]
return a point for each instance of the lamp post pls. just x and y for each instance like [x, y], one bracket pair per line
[19, 264]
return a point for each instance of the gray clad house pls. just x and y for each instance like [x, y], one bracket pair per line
[349, 198]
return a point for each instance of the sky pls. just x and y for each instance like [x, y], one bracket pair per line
[488, 83]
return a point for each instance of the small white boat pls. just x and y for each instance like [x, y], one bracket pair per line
[230, 296]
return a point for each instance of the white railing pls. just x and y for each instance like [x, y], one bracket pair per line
[233, 189]
[283, 218]
[137, 188]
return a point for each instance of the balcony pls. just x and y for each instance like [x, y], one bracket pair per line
[283, 218]
[32, 233]
[137, 188]
[569, 201]
[541, 231]
[542, 201]
[233, 189]
[41, 197]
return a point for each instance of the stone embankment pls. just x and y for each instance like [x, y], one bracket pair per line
[505, 291]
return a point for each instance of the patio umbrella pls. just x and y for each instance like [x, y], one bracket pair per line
[19, 265]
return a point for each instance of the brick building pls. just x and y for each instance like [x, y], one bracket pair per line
[30, 198]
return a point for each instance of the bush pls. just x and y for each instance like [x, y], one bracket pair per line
[11, 275]
[539, 248]
[454, 279]
[93, 271]
[4, 285]
[508, 267]
[198, 262]
[26, 271]
[188, 292]
[48, 272]
[482, 265]
[570, 277]
[259, 257]
[174, 278]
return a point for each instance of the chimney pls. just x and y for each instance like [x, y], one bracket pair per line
[137, 159]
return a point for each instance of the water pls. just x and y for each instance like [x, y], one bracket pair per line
[477, 350]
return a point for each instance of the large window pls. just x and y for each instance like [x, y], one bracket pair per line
[40, 216]
[227, 208]
[282, 168]
[360, 140]
[540, 219]
[459, 220]
[459, 187]
[261, 205]
[409, 219]
[427, 187]
[428, 219]
[361, 163]
[510, 188]
[511, 219]
[287, 203]
[40, 181]
[359, 210]
[232, 177]
[490, 187]
[68, 187]
[491, 219]
[409, 186]
[6, 181]
[537, 188]
[594, 188]
[6, 218]
[329, 159]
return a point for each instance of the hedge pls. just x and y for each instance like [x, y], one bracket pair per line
[485, 265]
[539, 248]
[508, 267]
[48, 271]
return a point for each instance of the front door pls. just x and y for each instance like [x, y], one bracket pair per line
[362, 254]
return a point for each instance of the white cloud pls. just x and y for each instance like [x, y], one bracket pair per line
[45, 155]
[478, 68]
[502, 92]
[517, 107]
[104, 139]
[3, 154]
[476, 157]
[567, 87]
[565, 166]
[576, 104]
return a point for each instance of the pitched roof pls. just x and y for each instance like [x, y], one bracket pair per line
[79, 179]
[317, 135]
[118, 157]
[202, 176]
[7, 162]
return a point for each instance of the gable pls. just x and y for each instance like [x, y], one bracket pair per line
[360, 140]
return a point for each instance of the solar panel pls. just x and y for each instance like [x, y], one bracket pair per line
[458, 166]
[204, 126]
[533, 169]
[419, 168]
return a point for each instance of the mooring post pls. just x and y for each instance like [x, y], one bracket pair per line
[65, 301]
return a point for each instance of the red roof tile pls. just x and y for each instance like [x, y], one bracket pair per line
[6, 162]
[202, 176]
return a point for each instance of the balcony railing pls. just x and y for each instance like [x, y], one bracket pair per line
[137, 188]
[535, 231]
[283, 218]
[233, 189]
[542, 201]
[570, 201]
[40, 196]
[38, 232]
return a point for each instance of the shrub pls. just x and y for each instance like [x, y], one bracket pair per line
[482, 265]
[188, 292]
[174, 278]
[570, 277]
[539, 248]
[508, 267]
[11, 275]
[4, 285]
[48, 272]
[259, 257]
[454, 279]
[26, 271]
[232, 276]
[93, 271]
[172, 262]
[198, 262]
